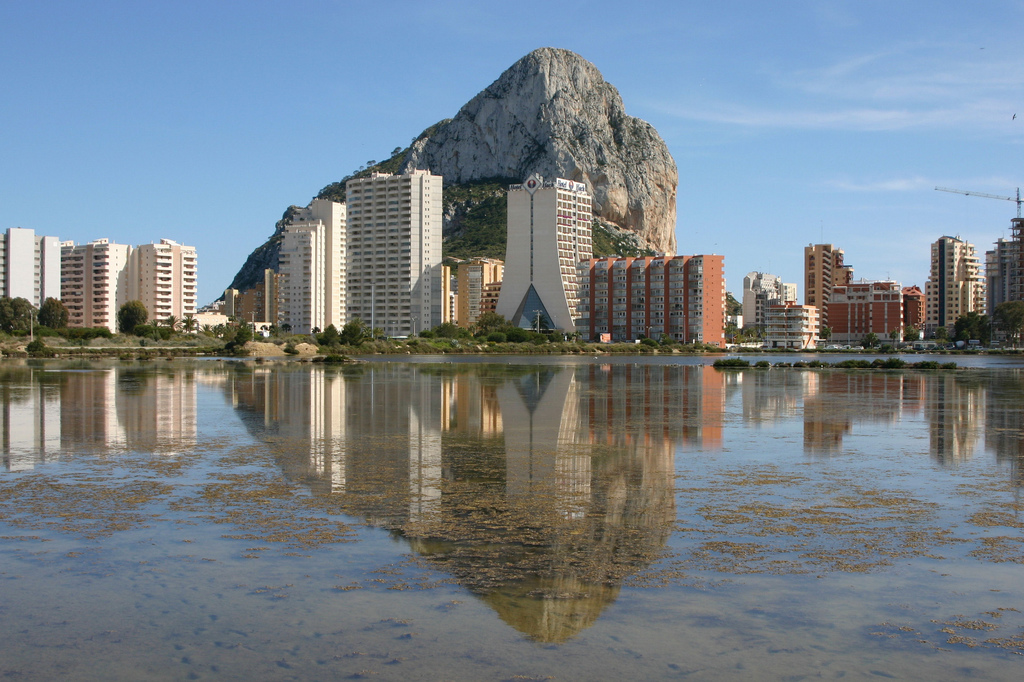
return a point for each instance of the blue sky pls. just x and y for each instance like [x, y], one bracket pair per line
[791, 122]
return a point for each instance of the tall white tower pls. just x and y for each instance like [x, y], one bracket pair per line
[549, 233]
[394, 251]
[311, 263]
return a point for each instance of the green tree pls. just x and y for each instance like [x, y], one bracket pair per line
[53, 314]
[870, 340]
[189, 324]
[243, 335]
[353, 333]
[447, 330]
[171, 322]
[973, 325]
[490, 322]
[894, 335]
[131, 315]
[1009, 318]
[329, 336]
[941, 334]
[15, 314]
[825, 333]
[911, 334]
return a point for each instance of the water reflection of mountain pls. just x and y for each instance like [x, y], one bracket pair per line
[540, 488]
[55, 410]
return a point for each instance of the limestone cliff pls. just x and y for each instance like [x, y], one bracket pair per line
[553, 113]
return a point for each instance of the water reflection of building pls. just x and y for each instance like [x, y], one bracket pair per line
[374, 430]
[835, 400]
[29, 418]
[157, 409]
[539, 487]
[955, 407]
[770, 397]
[59, 410]
[1004, 425]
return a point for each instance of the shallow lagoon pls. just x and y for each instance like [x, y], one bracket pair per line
[511, 518]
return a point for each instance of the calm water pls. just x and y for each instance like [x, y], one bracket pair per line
[521, 519]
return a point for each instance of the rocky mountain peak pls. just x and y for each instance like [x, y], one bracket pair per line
[553, 113]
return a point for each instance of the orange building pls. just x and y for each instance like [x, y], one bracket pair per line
[913, 308]
[682, 297]
[823, 269]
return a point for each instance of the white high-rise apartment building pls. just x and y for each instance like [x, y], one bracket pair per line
[394, 251]
[956, 285]
[311, 268]
[761, 291]
[164, 277]
[94, 282]
[29, 265]
[549, 233]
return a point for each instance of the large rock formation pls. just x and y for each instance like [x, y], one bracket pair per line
[553, 113]
[550, 113]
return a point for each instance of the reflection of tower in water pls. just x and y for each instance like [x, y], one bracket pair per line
[67, 409]
[530, 500]
[157, 409]
[955, 406]
[372, 430]
[835, 400]
[29, 418]
[546, 523]
[1004, 426]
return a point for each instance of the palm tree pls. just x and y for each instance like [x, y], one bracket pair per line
[189, 324]
[171, 322]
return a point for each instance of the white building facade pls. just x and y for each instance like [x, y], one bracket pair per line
[29, 265]
[311, 268]
[94, 282]
[761, 291]
[394, 252]
[164, 277]
[549, 234]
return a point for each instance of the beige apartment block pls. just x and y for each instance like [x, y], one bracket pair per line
[792, 326]
[956, 285]
[164, 277]
[474, 278]
[29, 265]
[311, 269]
[449, 310]
[94, 282]
[395, 279]
[549, 234]
[258, 305]
[823, 269]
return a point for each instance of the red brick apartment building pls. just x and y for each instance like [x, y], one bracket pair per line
[633, 298]
[860, 308]
[913, 308]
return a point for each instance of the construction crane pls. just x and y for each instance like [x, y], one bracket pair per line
[982, 194]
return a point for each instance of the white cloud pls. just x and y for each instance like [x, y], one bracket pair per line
[914, 184]
[903, 88]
